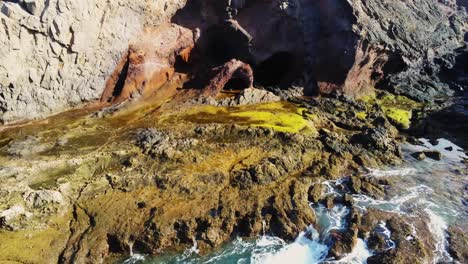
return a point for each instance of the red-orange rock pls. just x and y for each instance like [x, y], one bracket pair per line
[233, 69]
[149, 63]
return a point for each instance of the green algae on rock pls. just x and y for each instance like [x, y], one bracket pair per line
[279, 116]
[159, 168]
[397, 108]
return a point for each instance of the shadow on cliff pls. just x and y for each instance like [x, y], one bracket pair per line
[451, 121]
[312, 44]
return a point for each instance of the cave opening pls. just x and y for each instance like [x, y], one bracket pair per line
[224, 42]
[181, 65]
[236, 84]
[277, 70]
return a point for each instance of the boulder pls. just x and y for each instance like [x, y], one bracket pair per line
[433, 154]
[9, 217]
[419, 155]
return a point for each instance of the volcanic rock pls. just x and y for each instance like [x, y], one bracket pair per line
[419, 155]
[149, 63]
[458, 243]
[231, 70]
[433, 154]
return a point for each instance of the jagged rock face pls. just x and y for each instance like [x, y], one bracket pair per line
[345, 46]
[420, 37]
[59, 53]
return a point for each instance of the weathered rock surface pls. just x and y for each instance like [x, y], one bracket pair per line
[458, 242]
[162, 178]
[233, 70]
[59, 53]
[245, 97]
[411, 236]
[149, 63]
[345, 46]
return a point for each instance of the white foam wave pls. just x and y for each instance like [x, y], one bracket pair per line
[378, 173]
[394, 204]
[135, 258]
[438, 227]
[382, 228]
[305, 249]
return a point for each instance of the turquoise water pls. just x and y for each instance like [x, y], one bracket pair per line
[435, 188]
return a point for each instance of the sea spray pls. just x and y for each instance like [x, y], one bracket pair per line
[305, 249]
[438, 228]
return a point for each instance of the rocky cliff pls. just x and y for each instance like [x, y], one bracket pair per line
[59, 53]
[200, 132]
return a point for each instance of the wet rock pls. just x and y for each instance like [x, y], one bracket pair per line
[413, 240]
[458, 243]
[316, 192]
[376, 242]
[375, 139]
[433, 154]
[348, 200]
[372, 189]
[329, 202]
[420, 155]
[366, 185]
[343, 242]
[355, 184]
[413, 140]
[236, 181]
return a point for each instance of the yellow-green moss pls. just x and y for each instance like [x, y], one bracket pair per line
[361, 115]
[398, 116]
[42, 245]
[397, 108]
[279, 116]
[369, 98]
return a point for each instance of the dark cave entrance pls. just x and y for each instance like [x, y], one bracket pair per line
[236, 84]
[277, 70]
[225, 42]
[181, 65]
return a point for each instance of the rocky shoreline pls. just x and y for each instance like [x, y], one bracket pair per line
[104, 186]
[234, 123]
